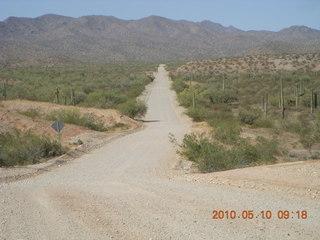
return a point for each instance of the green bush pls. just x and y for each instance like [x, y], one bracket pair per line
[291, 125]
[185, 97]
[32, 113]
[211, 156]
[244, 155]
[214, 157]
[198, 114]
[225, 96]
[179, 85]
[228, 133]
[249, 115]
[133, 108]
[263, 122]
[191, 146]
[218, 118]
[74, 116]
[19, 148]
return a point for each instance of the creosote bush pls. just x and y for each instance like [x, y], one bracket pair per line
[133, 108]
[249, 115]
[32, 113]
[211, 156]
[197, 114]
[20, 148]
[228, 133]
[74, 116]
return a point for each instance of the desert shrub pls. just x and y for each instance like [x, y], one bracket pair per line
[198, 114]
[219, 117]
[104, 99]
[133, 108]
[228, 133]
[225, 96]
[19, 148]
[309, 135]
[249, 115]
[214, 158]
[211, 156]
[244, 154]
[185, 97]
[179, 85]
[191, 146]
[307, 141]
[74, 116]
[267, 149]
[263, 122]
[294, 125]
[31, 112]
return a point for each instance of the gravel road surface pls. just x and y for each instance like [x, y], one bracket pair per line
[122, 191]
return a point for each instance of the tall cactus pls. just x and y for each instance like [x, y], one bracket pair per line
[265, 106]
[312, 102]
[194, 99]
[223, 82]
[4, 93]
[73, 102]
[282, 109]
[297, 95]
[57, 95]
[301, 93]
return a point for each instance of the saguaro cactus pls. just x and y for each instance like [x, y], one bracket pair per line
[297, 95]
[73, 97]
[265, 105]
[301, 89]
[262, 102]
[57, 95]
[282, 109]
[223, 81]
[313, 101]
[4, 93]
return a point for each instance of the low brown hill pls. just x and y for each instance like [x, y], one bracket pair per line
[258, 63]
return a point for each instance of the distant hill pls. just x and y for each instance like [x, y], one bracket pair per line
[103, 38]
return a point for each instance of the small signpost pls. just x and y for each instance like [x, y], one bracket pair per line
[57, 126]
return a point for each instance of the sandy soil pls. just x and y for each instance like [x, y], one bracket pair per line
[128, 189]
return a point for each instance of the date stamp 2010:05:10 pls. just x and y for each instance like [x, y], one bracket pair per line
[264, 214]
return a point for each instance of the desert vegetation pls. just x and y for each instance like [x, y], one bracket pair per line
[74, 116]
[20, 148]
[236, 103]
[88, 85]
[73, 85]
[253, 64]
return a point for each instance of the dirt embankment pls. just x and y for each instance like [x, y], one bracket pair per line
[79, 139]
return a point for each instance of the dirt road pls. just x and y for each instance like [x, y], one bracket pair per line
[122, 191]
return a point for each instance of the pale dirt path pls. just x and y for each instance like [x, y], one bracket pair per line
[122, 191]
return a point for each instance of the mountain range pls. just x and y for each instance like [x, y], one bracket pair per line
[106, 38]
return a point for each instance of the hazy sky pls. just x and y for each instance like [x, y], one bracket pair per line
[244, 14]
